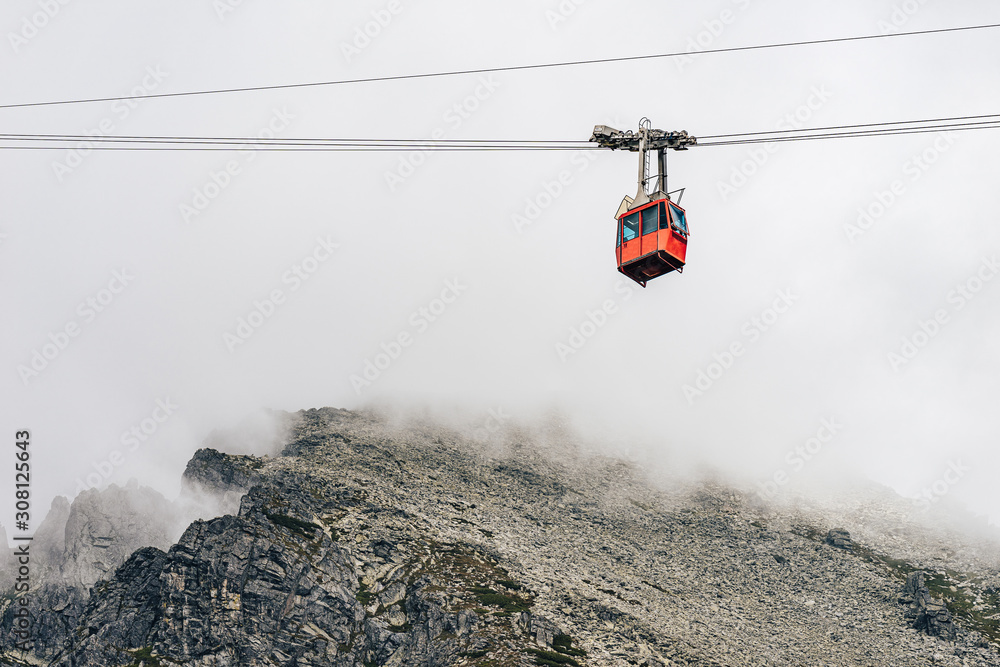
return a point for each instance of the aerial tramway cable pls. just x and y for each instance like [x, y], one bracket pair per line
[194, 143]
[494, 70]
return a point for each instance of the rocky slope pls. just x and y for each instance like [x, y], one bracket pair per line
[368, 543]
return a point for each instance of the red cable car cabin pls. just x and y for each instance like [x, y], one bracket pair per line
[652, 240]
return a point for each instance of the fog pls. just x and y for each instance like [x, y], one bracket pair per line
[854, 276]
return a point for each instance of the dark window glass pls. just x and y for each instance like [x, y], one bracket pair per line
[649, 220]
[664, 218]
[680, 223]
[630, 228]
[619, 233]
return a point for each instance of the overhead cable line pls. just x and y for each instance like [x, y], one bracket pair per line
[860, 128]
[68, 141]
[494, 70]
[848, 127]
[192, 143]
[446, 144]
[311, 149]
[986, 125]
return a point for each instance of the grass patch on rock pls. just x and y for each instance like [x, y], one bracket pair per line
[564, 644]
[305, 528]
[552, 659]
[491, 598]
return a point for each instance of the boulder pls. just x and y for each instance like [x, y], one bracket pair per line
[840, 538]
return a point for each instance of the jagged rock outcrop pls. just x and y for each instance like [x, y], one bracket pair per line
[926, 614]
[375, 543]
[840, 538]
[218, 473]
[219, 480]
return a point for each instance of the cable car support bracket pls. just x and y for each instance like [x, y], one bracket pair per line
[644, 140]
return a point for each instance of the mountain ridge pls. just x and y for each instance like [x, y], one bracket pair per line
[367, 541]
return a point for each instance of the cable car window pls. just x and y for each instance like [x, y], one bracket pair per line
[619, 233]
[664, 218]
[649, 220]
[680, 223]
[630, 228]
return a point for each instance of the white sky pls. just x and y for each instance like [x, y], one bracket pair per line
[69, 224]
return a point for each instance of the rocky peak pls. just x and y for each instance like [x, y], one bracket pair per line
[104, 527]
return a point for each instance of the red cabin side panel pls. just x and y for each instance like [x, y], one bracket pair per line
[651, 255]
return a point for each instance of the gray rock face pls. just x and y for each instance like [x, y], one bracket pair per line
[377, 543]
[839, 538]
[926, 614]
[105, 527]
